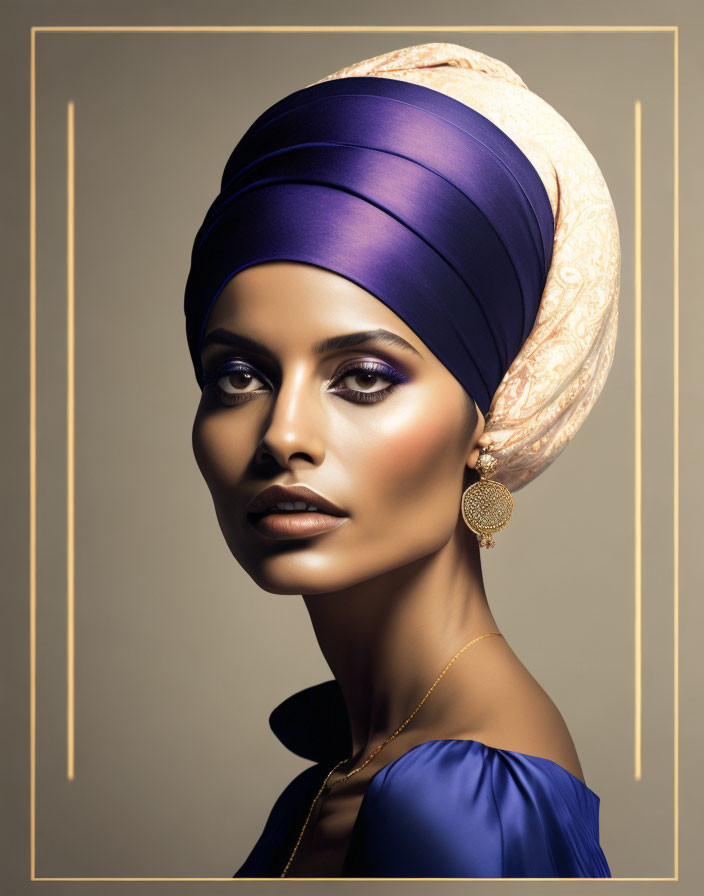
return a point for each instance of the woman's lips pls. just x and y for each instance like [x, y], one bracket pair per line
[296, 524]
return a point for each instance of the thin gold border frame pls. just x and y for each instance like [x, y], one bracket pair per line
[638, 443]
[674, 30]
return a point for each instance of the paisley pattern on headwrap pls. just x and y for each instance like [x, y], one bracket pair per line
[556, 377]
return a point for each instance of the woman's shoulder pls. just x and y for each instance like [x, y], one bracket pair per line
[462, 808]
[513, 711]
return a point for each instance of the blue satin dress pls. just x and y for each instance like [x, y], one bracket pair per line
[445, 808]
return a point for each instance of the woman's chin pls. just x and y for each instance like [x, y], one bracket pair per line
[294, 584]
[286, 575]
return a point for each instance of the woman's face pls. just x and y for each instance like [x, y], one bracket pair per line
[379, 427]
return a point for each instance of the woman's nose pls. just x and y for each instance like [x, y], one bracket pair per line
[294, 429]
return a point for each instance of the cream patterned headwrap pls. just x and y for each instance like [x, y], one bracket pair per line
[561, 368]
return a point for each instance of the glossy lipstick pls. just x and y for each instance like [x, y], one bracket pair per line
[307, 513]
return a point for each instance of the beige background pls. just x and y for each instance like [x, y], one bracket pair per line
[179, 657]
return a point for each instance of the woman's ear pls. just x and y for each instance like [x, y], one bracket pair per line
[479, 438]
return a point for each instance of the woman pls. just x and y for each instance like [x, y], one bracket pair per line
[410, 262]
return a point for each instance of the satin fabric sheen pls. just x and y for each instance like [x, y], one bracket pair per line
[445, 808]
[409, 193]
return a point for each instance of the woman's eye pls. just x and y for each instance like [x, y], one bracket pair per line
[239, 381]
[236, 382]
[368, 381]
[364, 381]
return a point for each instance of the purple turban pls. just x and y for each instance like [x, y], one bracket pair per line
[407, 192]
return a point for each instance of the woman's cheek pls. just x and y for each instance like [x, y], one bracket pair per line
[408, 460]
[221, 450]
[420, 443]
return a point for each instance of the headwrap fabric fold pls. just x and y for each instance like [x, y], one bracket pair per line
[414, 196]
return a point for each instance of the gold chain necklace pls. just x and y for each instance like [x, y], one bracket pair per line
[376, 749]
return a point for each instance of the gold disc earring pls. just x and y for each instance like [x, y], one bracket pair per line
[486, 505]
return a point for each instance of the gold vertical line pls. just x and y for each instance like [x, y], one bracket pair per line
[32, 453]
[676, 447]
[637, 466]
[70, 443]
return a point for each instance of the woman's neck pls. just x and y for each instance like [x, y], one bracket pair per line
[387, 639]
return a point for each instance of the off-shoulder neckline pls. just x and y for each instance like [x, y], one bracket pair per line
[479, 743]
[293, 720]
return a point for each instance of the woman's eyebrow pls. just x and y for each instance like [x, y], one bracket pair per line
[348, 340]
[351, 340]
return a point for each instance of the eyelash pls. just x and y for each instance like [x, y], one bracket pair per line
[382, 370]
